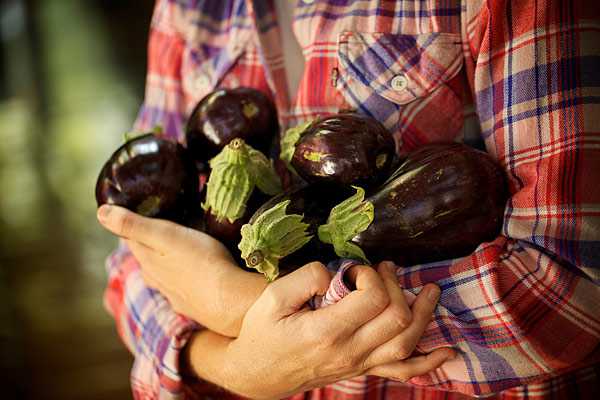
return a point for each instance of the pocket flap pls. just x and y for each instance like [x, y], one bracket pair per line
[400, 67]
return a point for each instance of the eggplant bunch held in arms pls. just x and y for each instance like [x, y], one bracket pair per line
[151, 176]
[230, 191]
[344, 149]
[281, 235]
[226, 114]
[441, 203]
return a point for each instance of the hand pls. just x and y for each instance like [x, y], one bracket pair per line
[195, 272]
[285, 348]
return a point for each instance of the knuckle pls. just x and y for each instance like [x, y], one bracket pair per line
[402, 318]
[348, 361]
[318, 272]
[324, 338]
[379, 299]
[402, 352]
[126, 224]
[270, 297]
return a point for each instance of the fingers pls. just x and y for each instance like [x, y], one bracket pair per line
[154, 233]
[422, 311]
[396, 317]
[360, 306]
[289, 293]
[403, 345]
[414, 366]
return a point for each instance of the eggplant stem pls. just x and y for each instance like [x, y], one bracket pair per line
[288, 143]
[272, 236]
[236, 171]
[346, 220]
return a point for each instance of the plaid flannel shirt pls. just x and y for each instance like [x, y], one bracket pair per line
[520, 79]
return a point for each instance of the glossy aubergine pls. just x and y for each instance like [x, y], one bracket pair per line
[344, 149]
[228, 232]
[241, 180]
[281, 235]
[441, 203]
[151, 176]
[226, 114]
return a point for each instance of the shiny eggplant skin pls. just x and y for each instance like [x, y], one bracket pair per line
[153, 177]
[227, 232]
[314, 203]
[345, 149]
[226, 114]
[441, 203]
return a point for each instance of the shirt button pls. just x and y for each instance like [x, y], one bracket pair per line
[202, 83]
[399, 82]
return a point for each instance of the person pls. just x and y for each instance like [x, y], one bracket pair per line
[516, 318]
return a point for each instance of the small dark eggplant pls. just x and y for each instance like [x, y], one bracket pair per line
[441, 203]
[344, 149]
[281, 235]
[241, 178]
[151, 176]
[226, 114]
[228, 232]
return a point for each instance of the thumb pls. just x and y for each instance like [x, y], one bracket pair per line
[129, 225]
[289, 293]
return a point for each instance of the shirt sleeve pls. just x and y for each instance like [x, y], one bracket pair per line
[145, 321]
[524, 307]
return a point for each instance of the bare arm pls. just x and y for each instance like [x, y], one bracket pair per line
[194, 271]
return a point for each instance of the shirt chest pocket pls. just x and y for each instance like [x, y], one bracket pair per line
[402, 80]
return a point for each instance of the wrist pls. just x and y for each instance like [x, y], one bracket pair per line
[237, 291]
[205, 357]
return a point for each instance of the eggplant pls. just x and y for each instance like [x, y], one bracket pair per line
[441, 203]
[241, 178]
[151, 176]
[344, 149]
[228, 232]
[226, 114]
[281, 236]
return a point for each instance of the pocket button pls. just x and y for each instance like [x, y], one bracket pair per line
[399, 82]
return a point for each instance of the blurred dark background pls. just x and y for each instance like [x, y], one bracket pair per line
[71, 82]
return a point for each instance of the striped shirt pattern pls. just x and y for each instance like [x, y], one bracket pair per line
[519, 79]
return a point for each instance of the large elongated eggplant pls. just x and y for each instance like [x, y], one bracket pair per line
[343, 149]
[226, 114]
[151, 176]
[441, 203]
[281, 235]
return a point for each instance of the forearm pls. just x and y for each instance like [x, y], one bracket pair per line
[204, 358]
[231, 297]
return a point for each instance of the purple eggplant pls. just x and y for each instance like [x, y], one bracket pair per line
[241, 179]
[151, 176]
[226, 114]
[441, 203]
[281, 235]
[344, 149]
[228, 232]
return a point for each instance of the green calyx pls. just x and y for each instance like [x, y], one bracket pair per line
[272, 236]
[288, 143]
[236, 171]
[345, 221]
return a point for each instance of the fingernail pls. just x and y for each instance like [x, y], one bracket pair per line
[433, 293]
[103, 212]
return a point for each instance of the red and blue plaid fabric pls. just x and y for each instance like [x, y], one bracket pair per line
[520, 79]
